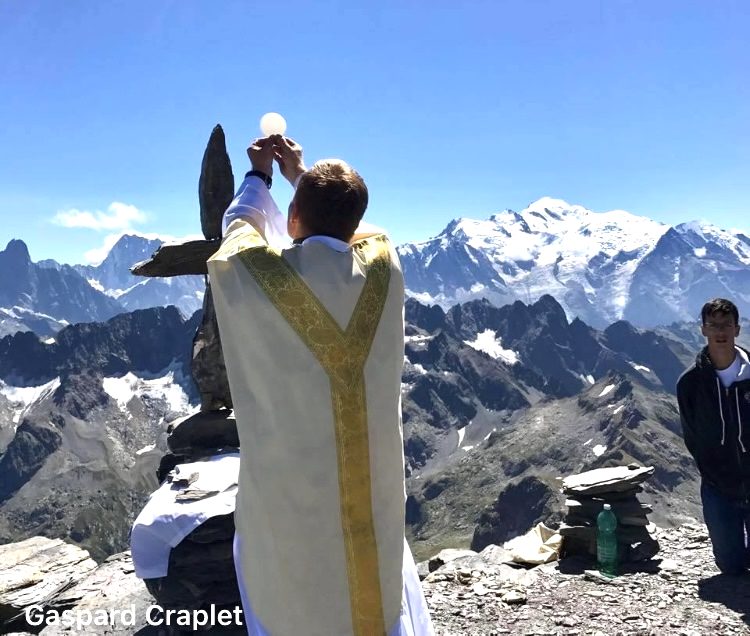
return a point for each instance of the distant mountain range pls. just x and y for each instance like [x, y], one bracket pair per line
[510, 398]
[490, 396]
[602, 267]
[82, 423]
[524, 361]
[113, 277]
[45, 296]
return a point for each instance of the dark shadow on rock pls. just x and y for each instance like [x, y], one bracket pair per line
[732, 591]
[649, 566]
[518, 507]
[576, 564]
[579, 563]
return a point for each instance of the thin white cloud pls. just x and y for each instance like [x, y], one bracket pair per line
[96, 255]
[119, 216]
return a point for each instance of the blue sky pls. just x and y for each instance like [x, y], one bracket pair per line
[447, 109]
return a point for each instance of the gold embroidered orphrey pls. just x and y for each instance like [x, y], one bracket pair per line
[342, 354]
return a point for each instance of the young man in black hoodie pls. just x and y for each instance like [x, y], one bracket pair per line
[714, 401]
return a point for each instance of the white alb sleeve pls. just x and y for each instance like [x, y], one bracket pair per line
[255, 204]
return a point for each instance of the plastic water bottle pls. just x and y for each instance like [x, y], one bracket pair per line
[606, 541]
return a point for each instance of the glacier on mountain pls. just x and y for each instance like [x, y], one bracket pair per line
[166, 386]
[489, 343]
[112, 277]
[601, 266]
[21, 397]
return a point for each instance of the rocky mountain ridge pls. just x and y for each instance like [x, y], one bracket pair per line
[601, 267]
[497, 403]
[83, 424]
[113, 277]
[46, 296]
[478, 357]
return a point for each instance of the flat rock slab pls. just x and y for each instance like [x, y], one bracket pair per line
[592, 507]
[622, 520]
[602, 480]
[178, 259]
[111, 586]
[497, 555]
[33, 571]
[446, 556]
[624, 533]
[108, 599]
[203, 431]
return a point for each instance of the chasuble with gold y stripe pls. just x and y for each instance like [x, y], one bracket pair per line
[313, 343]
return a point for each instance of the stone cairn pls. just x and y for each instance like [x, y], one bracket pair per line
[618, 486]
[201, 569]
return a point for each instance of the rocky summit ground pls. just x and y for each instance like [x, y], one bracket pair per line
[681, 592]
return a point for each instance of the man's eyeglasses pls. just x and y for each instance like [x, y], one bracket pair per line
[719, 326]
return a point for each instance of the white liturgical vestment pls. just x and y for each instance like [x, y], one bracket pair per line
[313, 341]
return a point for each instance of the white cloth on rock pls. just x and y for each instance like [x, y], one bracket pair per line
[164, 522]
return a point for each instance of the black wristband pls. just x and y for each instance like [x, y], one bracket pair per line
[258, 173]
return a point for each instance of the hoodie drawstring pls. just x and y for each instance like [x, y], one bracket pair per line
[721, 412]
[739, 417]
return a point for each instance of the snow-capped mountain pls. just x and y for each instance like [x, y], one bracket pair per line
[82, 424]
[602, 267]
[45, 296]
[16, 318]
[112, 276]
[113, 273]
[690, 264]
[44, 299]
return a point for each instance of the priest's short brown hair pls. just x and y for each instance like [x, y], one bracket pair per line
[331, 199]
